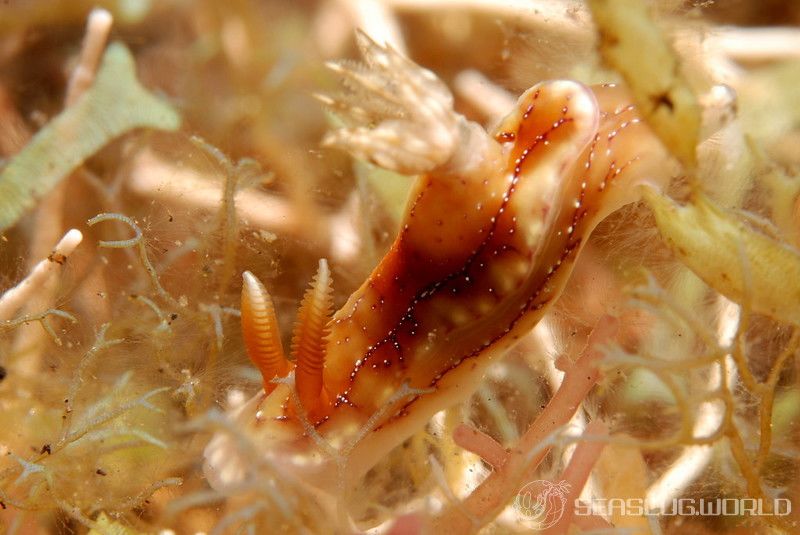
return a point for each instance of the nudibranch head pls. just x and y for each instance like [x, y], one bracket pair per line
[263, 341]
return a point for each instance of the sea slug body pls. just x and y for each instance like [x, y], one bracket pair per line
[489, 237]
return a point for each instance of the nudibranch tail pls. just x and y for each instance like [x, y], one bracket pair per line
[262, 337]
[309, 338]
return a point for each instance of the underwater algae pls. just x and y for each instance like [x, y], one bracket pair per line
[553, 271]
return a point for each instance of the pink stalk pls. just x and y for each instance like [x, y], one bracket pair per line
[410, 524]
[591, 522]
[480, 444]
[577, 473]
[492, 495]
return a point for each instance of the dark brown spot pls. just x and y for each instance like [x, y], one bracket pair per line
[663, 99]
[58, 258]
[608, 39]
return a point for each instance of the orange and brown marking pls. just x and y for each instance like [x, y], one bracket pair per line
[478, 257]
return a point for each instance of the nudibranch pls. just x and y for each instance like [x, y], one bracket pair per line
[492, 229]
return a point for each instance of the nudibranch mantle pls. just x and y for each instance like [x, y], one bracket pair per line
[458, 279]
[493, 226]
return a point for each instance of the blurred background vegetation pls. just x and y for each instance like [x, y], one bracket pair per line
[114, 375]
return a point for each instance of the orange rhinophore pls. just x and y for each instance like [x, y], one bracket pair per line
[263, 342]
[489, 237]
[260, 332]
[308, 340]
